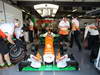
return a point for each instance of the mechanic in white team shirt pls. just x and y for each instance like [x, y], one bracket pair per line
[75, 32]
[6, 32]
[18, 30]
[93, 40]
[64, 27]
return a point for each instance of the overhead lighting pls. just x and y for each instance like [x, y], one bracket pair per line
[93, 16]
[23, 10]
[54, 11]
[46, 9]
[28, 13]
[68, 15]
[53, 15]
[93, 11]
[39, 6]
[80, 16]
[74, 10]
[46, 12]
[39, 11]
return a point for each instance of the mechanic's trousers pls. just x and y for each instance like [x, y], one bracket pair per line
[76, 37]
[62, 38]
[94, 46]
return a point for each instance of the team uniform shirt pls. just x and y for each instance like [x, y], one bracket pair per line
[18, 32]
[7, 28]
[75, 25]
[63, 26]
[92, 29]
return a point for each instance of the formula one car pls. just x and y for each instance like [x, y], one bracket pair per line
[50, 59]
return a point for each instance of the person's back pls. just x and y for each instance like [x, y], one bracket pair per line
[7, 28]
[6, 32]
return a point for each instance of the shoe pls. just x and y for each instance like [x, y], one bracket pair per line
[3, 67]
[10, 65]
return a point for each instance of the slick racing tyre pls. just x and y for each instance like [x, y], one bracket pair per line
[17, 51]
[16, 54]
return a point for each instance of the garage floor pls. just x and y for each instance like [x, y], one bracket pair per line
[86, 68]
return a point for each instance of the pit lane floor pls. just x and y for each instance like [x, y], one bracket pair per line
[86, 68]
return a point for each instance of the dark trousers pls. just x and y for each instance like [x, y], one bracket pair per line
[35, 49]
[76, 37]
[62, 40]
[94, 46]
[4, 49]
[30, 36]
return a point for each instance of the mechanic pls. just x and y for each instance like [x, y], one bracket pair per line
[75, 32]
[6, 32]
[63, 26]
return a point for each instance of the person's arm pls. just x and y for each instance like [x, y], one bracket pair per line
[86, 32]
[9, 38]
[43, 35]
[54, 35]
[93, 27]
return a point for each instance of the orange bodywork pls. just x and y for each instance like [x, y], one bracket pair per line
[49, 49]
[58, 55]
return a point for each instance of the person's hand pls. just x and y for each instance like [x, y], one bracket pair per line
[72, 32]
[13, 43]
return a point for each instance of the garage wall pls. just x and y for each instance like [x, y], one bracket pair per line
[11, 13]
[2, 19]
[82, 21]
